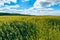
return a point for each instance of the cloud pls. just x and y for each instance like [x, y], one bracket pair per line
[14, 1]
[53, 2]
[1, 3]
[33, 11]
[6, 1]
[43, 12]
[39, 8]
[46, 3]
[54, 12]
[24, 0]
[9, 8]
[13, 7]
[40, 5]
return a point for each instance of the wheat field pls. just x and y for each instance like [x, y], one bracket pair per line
[29, 27]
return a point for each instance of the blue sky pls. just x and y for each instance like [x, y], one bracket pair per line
[23, 5]
[31, 7]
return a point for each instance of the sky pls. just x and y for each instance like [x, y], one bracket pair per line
[31, 7]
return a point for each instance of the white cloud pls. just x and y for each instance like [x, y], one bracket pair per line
[7, 1]
[37, 9]
[13, 7]
[9, 8]
[54, 12]
[46, 3]
[53, 2]
[32, 11]
[14, 1]
[24, 0]
[1, 4]
[37, 6]
[42, 3]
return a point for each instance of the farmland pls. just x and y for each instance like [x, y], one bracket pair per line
[29, 27]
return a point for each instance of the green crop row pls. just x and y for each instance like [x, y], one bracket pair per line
[33, 29]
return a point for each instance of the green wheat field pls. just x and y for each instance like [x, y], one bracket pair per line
[29, 27]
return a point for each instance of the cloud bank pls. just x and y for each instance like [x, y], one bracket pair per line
[39, 8]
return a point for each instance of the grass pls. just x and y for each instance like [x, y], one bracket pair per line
[29, 27]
